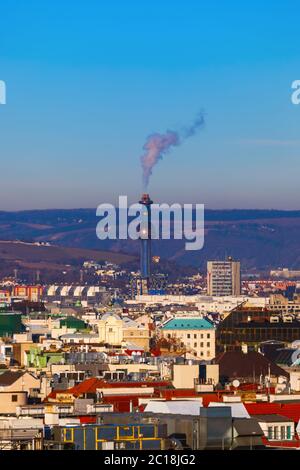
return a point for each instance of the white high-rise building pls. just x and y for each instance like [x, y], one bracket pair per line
[223, 277]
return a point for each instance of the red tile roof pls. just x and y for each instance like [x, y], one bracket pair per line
[123, 403]
[168, 394]
[91, 385]
[290, 410]
[87, 419]
[87, 386]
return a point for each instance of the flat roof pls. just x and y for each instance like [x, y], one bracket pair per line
[272, 418]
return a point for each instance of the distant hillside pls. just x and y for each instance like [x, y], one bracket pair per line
[51, 261]
[261, 239]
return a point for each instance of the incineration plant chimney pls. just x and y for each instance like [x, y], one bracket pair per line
[146, 241]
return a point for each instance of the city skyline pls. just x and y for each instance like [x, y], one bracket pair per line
[86, 87]
[149, 229]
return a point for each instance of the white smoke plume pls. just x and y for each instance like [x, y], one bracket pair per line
[157, 145]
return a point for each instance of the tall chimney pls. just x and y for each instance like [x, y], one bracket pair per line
[146, 238]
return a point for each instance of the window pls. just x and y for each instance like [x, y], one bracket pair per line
[270, 433]
[288, 432]
[275, 432]
[14, 398]
[195, 345]
[195, 336]
[201, 345]
[110, 330]
[188, 335]
[208, 345]
[282, 432]
[208, 335]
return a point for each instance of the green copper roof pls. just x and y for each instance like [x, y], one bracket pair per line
[73, 322]
[188, 324]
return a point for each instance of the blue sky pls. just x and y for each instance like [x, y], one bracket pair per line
[87, 84]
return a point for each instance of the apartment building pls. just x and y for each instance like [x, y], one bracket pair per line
[197, 335]
[223, 278]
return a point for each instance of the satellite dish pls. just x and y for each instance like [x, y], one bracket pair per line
[236, 383]
[295, 358]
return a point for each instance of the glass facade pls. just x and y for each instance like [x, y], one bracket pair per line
[252, 327]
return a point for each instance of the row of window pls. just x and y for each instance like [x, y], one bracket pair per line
[199, 353]
[201, 345]
[195, 335]
[279, 432]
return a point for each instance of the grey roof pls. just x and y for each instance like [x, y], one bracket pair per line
[238, 410]
[132, 346]
[247, 427]
[110, 314]
[178, 407]
[128, 322]
[272, 418]
[79, 335]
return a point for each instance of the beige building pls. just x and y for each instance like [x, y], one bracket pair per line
[137, 336]
[14, 390]
[9, 401]
[190, 376]
[110, 329]
[223, 278]
[19, 350]
[279, 303]
[18, 381]
[197, 335]
[116, 331]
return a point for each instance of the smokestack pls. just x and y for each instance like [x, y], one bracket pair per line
[157, 145]
[146, 240]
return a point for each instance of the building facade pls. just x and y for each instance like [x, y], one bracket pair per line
[114, 330]
[195, 334]
[252, 326]
[223, 278]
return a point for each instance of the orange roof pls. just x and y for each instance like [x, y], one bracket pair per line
[87, 386]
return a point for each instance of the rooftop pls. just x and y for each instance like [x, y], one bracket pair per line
[9, 377]
[188, 324]
[272, 418]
